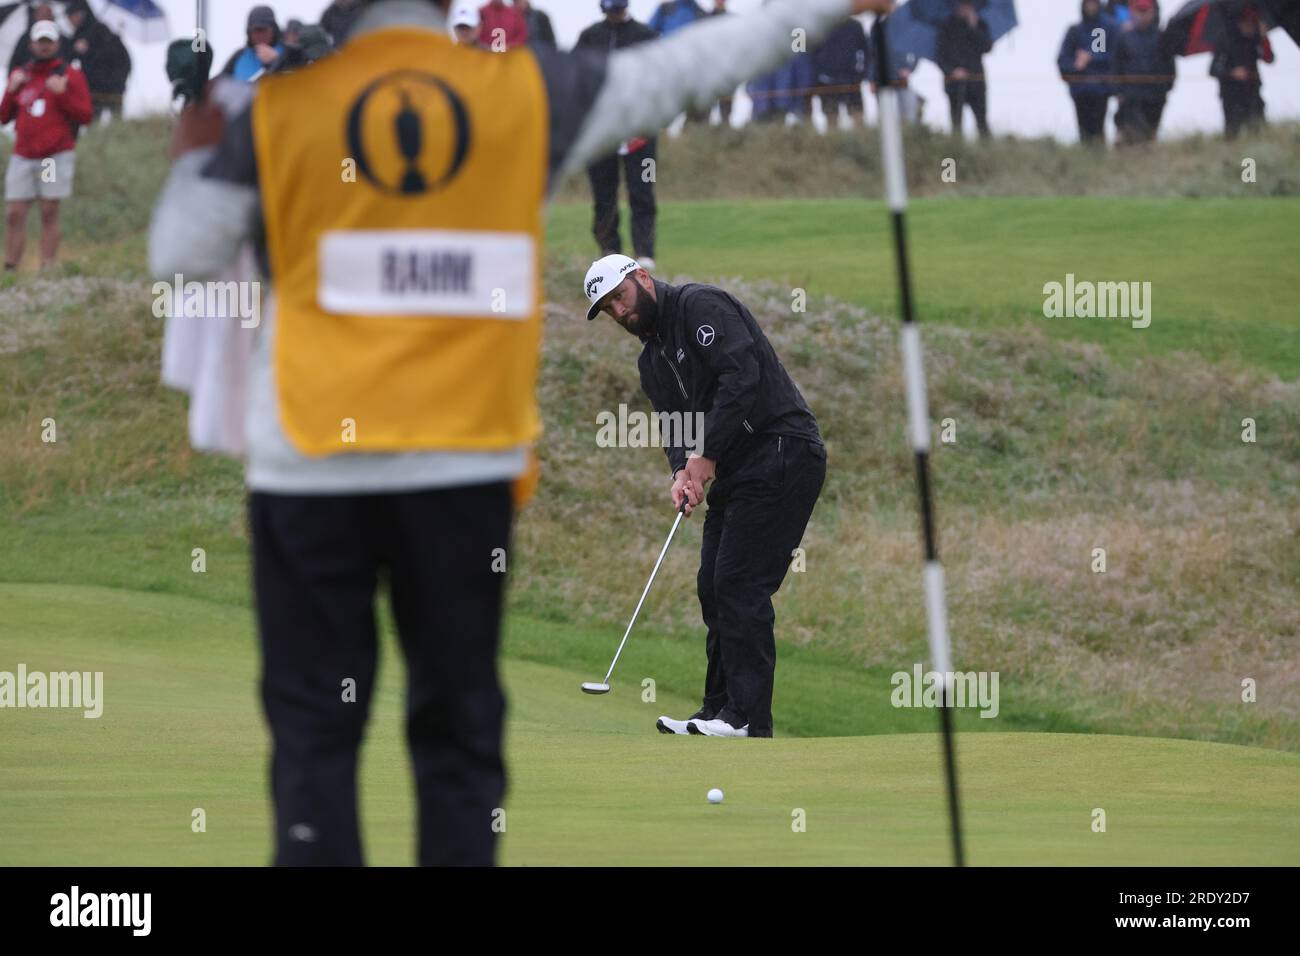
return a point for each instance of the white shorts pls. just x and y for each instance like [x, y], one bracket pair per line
[49, 178]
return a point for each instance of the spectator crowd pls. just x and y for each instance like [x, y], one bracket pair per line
[59, 82]
[1136, 68]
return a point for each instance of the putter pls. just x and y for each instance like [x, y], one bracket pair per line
[591, 687]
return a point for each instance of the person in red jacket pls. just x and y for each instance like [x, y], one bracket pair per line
[496, 15]
[49, 100]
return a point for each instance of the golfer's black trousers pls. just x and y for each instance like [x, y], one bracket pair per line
[756, 518]
[317, 563]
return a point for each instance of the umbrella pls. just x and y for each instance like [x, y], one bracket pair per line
[1199, 24]
[12, 26]
[15, 21]
[1284, 14]
[914, 26]
[140, 20]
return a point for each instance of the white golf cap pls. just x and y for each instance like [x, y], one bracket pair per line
[604, 277]
[45, 30]
[465, 15]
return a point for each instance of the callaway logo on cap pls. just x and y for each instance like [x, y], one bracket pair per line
[604, 277]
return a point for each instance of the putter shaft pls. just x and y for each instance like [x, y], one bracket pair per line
[681, 513]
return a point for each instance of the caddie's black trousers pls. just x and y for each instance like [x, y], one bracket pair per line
[317, 563]
[756, 518]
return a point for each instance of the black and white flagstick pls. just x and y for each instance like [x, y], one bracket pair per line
[918, 413]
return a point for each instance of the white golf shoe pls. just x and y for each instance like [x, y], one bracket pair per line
[666, 725]
[715, 728]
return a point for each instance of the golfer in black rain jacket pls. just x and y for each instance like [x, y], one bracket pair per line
[704, 354]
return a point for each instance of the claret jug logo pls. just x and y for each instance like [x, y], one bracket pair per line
[409, 133]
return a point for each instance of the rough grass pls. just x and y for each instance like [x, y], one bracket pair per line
[85, 353]
[124, 164]
[797, 162]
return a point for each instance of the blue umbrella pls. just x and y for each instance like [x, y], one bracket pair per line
[141, 20]
[910, 38]
[914, 26]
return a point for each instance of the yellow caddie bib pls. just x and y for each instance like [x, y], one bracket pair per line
[402, 184]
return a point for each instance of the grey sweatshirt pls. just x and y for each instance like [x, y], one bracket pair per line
[210, 206]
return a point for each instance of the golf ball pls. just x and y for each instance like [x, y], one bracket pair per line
[715, 795]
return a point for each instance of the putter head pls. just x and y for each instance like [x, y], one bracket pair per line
[593, 688]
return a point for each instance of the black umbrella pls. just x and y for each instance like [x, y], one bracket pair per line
[1285, 14]
[1199, 24]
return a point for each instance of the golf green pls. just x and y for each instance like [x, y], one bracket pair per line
[590, 780]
